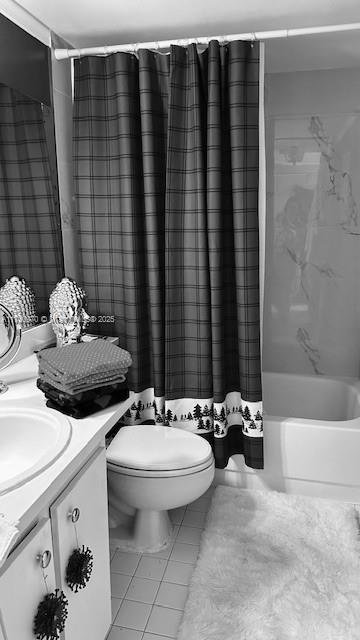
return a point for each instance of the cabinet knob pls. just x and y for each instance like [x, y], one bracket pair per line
[74, 514]
[44, 558]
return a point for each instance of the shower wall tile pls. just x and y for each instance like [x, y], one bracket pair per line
[312, 276]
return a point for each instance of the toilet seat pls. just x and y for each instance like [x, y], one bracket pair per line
[145, 473]
[156, 450]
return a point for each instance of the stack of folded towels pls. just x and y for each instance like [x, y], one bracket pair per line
[80, 379]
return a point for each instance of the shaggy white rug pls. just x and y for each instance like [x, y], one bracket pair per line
[275, 567]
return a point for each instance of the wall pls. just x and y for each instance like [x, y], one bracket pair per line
[312, 275]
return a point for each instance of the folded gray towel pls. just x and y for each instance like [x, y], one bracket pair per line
[92, 378]
[73, 389]
[83, 365]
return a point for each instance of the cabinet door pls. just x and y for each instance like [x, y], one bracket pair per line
[90, 608]
[22, 585]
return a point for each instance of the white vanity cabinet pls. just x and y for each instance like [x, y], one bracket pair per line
[80, 517]
[22, 585]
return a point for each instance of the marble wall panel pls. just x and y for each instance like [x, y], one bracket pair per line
[312, 275]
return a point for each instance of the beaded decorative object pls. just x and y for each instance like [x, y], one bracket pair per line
[68, 314]
[19, 298]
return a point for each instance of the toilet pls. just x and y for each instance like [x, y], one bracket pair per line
[151, 469]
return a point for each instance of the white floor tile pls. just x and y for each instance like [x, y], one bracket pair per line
[119, 584]
[175, 531]
[149, 591]
[120, 633]
[210, 492]
[124, 562]
[115, 605]
[164, 621]
[201, 504]
[164, 553]
[189, 535]
[172, 595]
[152, 568]
[142, 590]
[176, 515]
[194, 519]
[184, 553]
[178, 572]
[133, 615]
[152, 636]
[112, 551]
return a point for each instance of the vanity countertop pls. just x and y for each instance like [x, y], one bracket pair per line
[25, 502]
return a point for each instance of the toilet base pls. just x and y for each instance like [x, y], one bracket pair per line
[150, 531]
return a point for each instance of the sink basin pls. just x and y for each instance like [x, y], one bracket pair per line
[30, 441]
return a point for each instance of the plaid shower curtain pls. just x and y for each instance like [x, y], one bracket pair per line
[30, 234]
[166, 183]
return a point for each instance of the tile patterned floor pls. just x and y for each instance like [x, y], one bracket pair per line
[149, 591]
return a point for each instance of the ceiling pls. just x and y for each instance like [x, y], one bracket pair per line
[85, 23]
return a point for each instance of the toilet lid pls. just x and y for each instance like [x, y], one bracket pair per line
[156, 448]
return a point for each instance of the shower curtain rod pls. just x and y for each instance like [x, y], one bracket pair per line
[63, 54]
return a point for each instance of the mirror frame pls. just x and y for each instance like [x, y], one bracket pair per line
[14, 341]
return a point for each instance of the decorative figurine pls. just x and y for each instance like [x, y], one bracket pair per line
[51, 616]
[19, 298]
[68, 314]
[79, 568]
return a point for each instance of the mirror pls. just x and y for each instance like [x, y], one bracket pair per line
[30, 226]
[10, 337]
[30, 232]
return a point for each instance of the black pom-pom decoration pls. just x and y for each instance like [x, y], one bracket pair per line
[50, 617]
[79, 568]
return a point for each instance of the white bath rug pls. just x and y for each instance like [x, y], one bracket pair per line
[275, 567]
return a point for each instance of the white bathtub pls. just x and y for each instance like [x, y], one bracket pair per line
[311, 438]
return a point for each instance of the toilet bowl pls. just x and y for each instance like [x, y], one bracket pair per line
[151, 469]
